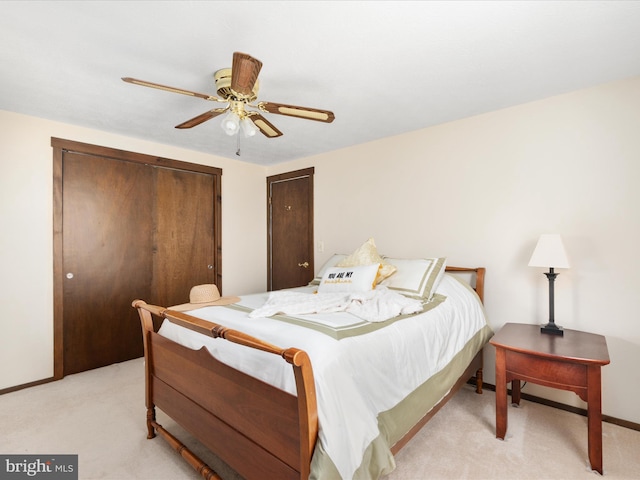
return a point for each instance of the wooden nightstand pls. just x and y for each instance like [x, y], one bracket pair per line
[569, 362]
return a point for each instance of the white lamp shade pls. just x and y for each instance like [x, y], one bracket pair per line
[549, 252]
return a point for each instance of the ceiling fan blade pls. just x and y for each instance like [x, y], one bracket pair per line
[244, 73]
[201, 118]
[170, 89]
[300, 112]
[265, 126]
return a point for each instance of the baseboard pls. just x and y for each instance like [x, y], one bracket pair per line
[562, 406]
[27, 385]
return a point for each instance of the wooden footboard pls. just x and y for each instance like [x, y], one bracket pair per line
[260, 431]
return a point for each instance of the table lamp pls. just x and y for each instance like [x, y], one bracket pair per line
[550, 252]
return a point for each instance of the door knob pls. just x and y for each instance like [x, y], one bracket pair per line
[305, 264]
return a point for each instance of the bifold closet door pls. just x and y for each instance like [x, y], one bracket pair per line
[107, 238]
[183, 241]
[130, 230]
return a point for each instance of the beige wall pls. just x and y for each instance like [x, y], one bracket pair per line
[479, 191]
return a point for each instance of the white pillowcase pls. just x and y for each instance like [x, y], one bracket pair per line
[416, 278]
[349, 279]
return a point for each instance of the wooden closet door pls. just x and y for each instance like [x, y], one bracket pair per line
[126, 226]
[106, 233]
[183, 250]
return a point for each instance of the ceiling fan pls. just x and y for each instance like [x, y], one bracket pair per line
[238, 87]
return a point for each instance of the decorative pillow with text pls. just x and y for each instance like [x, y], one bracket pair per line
[332, 262]
[349, 279]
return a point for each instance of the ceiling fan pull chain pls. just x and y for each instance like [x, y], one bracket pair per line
[238, 150]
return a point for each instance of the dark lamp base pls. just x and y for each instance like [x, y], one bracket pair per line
[552, 328]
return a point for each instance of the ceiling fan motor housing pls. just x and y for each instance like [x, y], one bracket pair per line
[223, 87]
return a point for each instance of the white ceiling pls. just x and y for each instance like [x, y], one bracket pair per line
[383, 67]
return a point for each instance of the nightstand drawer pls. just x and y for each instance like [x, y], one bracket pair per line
[544, 371]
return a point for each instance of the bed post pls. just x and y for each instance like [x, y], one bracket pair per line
[147, 327]
[307, 406]
[480, 283]
[479, 381]
[480, 291]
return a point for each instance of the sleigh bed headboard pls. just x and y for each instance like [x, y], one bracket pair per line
[478, 272]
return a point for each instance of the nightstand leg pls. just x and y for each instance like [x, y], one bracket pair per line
[501, 393]
[594, 415]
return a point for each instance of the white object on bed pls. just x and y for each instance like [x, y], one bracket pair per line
[382, 304]
[299, 303]
[357, 377]
[373, 306]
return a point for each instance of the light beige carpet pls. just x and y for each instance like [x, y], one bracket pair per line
[100, 416]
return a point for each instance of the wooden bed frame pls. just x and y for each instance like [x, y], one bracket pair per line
[258, 430]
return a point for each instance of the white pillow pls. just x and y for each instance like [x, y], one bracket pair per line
[349, 279]
[332, 262]
[416, 278]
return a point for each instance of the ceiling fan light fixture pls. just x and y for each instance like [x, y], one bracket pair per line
[248, 128]
[230, 123]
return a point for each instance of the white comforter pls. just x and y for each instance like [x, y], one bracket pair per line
[356, 377]
[374, 306]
